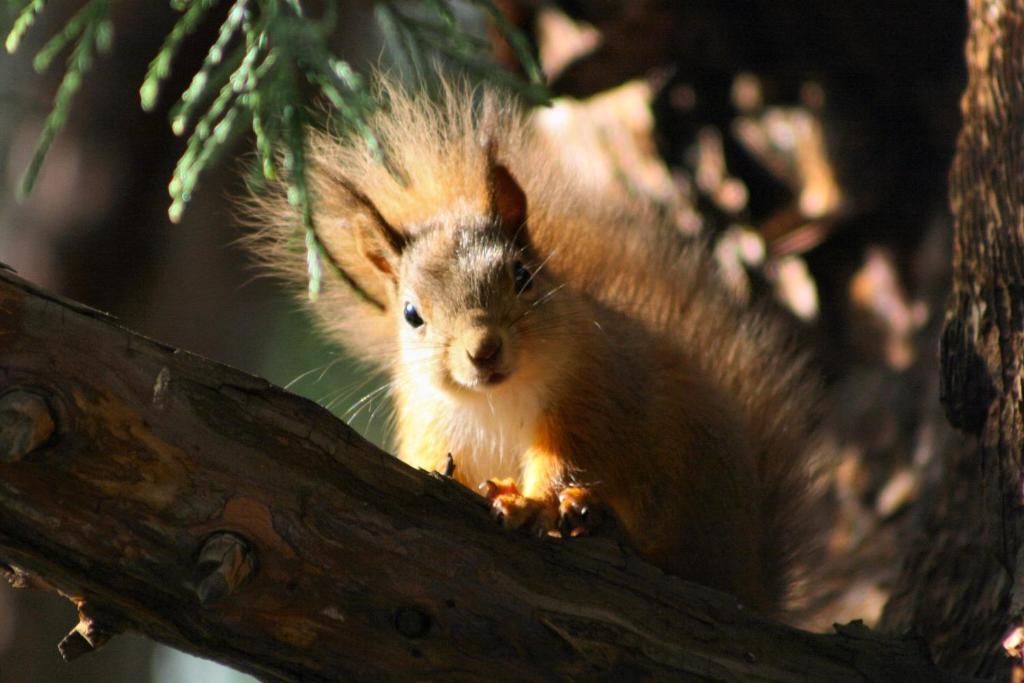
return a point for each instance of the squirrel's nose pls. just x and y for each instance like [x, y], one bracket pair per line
[485, 352]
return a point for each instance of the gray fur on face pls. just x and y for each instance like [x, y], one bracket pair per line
[470, 268]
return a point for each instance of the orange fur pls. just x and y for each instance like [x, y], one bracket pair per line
[629, 369]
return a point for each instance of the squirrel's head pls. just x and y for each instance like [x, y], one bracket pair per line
[473, 305]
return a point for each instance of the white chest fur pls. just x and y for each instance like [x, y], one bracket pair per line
[486, 432]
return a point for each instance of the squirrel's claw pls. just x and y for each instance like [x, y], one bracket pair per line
[575, 512]
[493, 488]
[513, 510]
[579, 512]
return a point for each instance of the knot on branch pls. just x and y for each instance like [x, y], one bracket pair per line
[90, 634]
[412, 622]
[965, 386]
[16, 576]
[225, 562]
[26, 423]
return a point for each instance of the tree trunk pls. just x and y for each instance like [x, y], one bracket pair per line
[961, 589]
[164, 493]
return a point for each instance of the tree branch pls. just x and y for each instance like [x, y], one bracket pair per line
[168, 494]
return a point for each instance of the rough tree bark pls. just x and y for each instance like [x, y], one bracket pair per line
[961, 590]
[164, 493]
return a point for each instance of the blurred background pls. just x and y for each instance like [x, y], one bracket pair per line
[807, 142]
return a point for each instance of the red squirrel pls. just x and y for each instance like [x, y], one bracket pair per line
[566, 346]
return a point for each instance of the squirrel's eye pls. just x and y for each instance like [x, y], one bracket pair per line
[412, 316]
[524, 280]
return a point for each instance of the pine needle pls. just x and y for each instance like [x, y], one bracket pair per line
[253, 78]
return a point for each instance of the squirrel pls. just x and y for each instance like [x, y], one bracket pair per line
[568, 350]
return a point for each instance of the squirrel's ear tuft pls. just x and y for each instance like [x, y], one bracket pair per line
[508, 201]
[376, 240]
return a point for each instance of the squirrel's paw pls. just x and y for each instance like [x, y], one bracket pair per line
[579, 511]
[515, 511]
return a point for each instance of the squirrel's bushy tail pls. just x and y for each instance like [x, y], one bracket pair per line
[759, 361]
